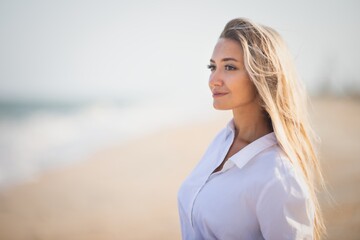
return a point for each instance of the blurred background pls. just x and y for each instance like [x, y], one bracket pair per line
[105, 109]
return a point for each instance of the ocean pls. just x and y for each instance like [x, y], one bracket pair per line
[39, 136]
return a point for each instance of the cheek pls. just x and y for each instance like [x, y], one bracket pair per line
[252, 88]
[243, 86]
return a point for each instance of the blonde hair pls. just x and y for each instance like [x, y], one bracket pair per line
[283, 98]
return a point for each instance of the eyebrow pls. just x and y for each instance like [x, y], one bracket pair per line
[226, 59]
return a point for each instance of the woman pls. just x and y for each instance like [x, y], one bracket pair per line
[257, 178]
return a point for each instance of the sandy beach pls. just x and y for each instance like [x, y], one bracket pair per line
[129, 191]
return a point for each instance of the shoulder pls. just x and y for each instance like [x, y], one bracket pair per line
[284, 207]
[271, 169]
[273, 164]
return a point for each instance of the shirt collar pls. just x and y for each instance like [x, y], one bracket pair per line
[242, 157]
[230, 128]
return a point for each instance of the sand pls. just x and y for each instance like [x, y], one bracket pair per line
[337, 122]
[129, 191]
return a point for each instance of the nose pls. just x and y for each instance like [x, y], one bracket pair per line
[215, 80]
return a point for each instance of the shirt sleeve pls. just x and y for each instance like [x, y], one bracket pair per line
[285, 210]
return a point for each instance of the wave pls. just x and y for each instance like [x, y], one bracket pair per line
[47, 138]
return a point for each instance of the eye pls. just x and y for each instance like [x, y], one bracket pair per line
[212, 67]
[230, 68]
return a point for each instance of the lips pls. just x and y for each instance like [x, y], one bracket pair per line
[219, 94]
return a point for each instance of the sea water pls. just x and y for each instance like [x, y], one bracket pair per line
[38, 136]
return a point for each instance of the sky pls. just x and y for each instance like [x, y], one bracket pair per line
[79, 50]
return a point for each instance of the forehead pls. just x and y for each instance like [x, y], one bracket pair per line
[226, 48]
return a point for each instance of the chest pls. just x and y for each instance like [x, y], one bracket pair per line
[225, 203]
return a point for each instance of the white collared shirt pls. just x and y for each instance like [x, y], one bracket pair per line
[258, 194]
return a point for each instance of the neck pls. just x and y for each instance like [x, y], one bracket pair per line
[250, 122]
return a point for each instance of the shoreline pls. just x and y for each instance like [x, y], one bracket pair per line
[129, 191]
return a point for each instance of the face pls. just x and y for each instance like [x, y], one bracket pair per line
[229, 81]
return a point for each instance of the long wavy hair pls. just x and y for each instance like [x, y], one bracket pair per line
[283, 99]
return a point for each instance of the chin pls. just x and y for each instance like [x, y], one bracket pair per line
[220, 107]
